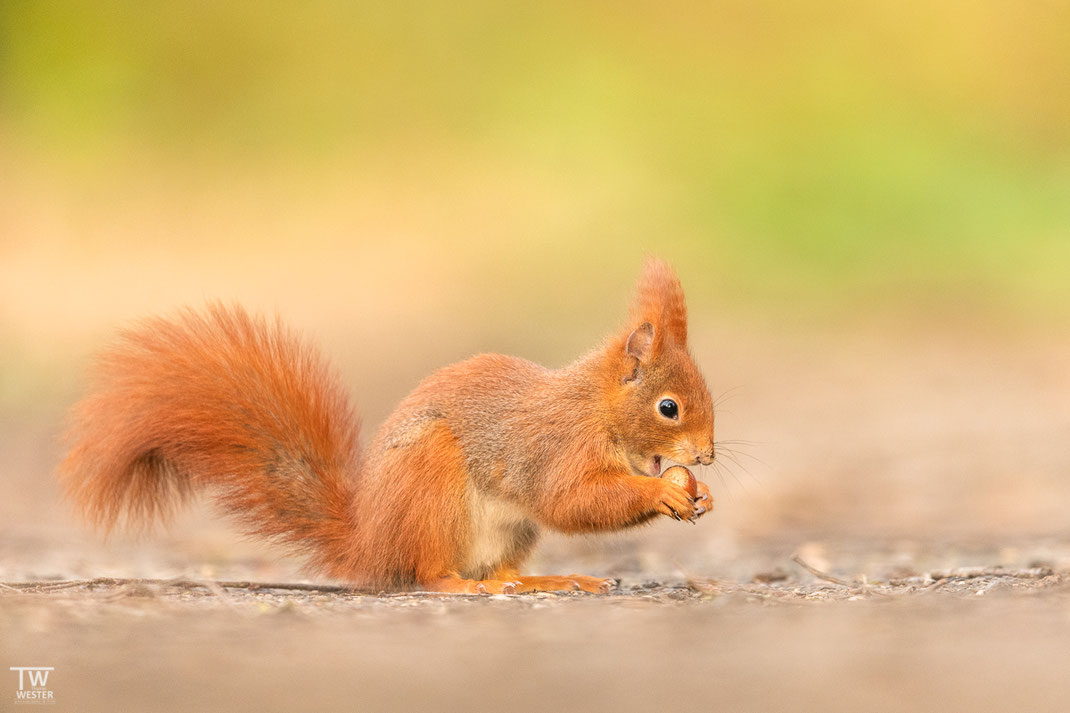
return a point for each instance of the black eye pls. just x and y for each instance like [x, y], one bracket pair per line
[668, 409]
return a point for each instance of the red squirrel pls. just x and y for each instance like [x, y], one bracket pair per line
[452, 492]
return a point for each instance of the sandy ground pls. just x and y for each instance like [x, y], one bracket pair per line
[969, 641]
[928, 477]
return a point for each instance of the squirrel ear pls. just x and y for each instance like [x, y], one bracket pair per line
[659, 299]
[640, 342]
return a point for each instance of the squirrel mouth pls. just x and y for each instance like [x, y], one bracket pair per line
[650, 467]
[654, 467]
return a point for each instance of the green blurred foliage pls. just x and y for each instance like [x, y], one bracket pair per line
[906, 152]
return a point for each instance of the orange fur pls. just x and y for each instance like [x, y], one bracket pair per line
[453, 490]
[226, 401]
[659, 299]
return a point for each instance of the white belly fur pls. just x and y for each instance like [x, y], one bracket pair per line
[493, 523]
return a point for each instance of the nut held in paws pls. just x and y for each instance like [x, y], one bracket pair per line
[682, 477]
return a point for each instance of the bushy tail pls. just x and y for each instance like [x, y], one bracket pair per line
[222, 400]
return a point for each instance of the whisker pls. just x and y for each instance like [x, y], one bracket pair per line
[733, 451]
[718, 470]
[726, 395]
[733, 457]
[719, 475]
[734, 477]
[737, 446]
[737, 464]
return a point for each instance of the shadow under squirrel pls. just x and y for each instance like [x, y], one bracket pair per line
[453, 490]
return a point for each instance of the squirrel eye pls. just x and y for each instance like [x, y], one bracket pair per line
[668, 409]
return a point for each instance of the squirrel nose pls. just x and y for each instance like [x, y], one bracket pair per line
[706, 457]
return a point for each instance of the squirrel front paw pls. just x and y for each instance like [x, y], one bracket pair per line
[673, 501]
[703, 500]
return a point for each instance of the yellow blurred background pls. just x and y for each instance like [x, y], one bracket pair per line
[868, 203]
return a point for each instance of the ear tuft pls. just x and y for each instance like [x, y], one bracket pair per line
[641, 342]
[659, 300]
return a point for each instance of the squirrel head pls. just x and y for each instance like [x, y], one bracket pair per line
[660, 406]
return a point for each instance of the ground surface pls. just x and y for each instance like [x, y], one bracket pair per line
[967, 640]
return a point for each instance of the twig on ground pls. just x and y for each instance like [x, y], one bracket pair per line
[55, 585]
[213, 587]
[819, 574]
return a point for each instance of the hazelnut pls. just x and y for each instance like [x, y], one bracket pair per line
[682, 477]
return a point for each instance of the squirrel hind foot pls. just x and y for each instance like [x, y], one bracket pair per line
[457, 585]
[569, 583]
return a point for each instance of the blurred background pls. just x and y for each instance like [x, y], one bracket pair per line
[868, 204]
